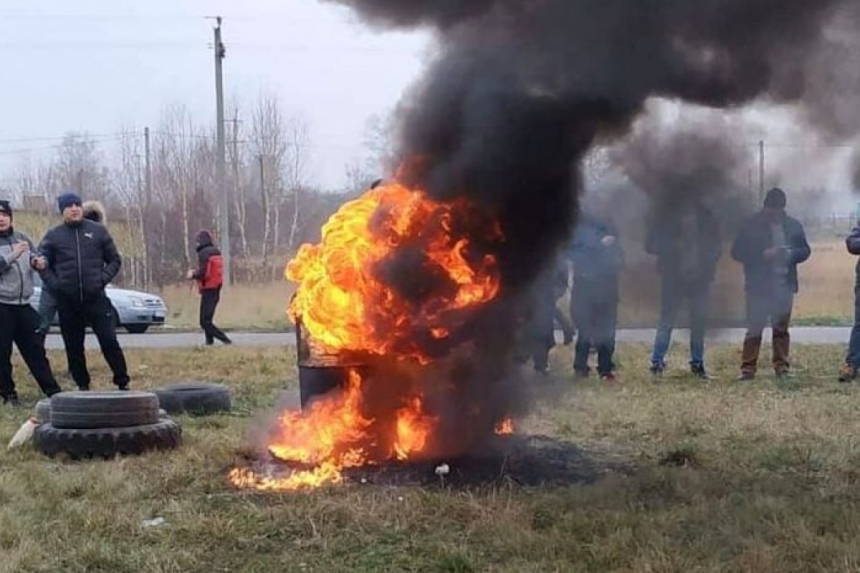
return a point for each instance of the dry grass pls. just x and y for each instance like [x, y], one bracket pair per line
[261, 307]
[769, 485]
[826, 296]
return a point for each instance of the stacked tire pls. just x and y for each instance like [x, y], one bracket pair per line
[104, 424]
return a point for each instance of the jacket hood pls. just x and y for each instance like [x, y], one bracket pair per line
[94, 211]
[203, 238]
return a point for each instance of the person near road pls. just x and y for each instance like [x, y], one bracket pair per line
[685, 239]
[93, 211]
[538, 336]
[19, 322]
[78, 260]
[209, 277]
[851, 366]
[597, 259]
[770, 245]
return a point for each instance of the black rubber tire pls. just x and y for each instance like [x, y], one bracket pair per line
[107, 442]
[136, 328]
[43, 411]
[196, 398]
[115, 409]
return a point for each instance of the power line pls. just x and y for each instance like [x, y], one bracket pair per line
[81, 135]
[56, 146]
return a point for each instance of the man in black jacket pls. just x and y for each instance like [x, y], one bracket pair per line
[209, 277]
[770, 245]
[686, 240]
[80, 259]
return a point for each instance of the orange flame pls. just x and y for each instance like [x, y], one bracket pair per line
[345, 306]
[331, 435]
[413, 427]
[505, 427]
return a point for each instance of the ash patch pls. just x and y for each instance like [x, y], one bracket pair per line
[521, 460]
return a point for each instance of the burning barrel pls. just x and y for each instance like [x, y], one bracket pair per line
[319, 372]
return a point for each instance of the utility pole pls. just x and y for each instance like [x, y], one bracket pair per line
[760, 171]
[147, 206]
[148, 165]
[224, 203]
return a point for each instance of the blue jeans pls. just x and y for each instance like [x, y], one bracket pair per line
[673, 295]
[853, 357]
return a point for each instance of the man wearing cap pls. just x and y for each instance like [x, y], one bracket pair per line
[19, 322]
[770, 245]
[80, 259]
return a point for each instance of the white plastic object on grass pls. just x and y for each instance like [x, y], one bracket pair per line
[24, 433]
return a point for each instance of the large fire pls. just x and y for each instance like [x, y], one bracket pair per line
[395, 275]
[346, 299]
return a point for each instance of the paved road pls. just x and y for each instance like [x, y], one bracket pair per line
[800, 335]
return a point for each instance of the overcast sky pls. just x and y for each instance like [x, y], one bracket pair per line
[95, 66]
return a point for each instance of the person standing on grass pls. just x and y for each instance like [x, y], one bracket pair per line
[850, 368]
[19, 322]
[770, 245]
[685, 239]
[93, 211]
[597, 260]
[79, 259]
[209, 277]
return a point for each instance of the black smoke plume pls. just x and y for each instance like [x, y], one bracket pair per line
[522, 89]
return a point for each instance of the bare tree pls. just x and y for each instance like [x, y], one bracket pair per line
[128, 179]
[295, 175]
[236, 160]
[268, 139]
[80, 166]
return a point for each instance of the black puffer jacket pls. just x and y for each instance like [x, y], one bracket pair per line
[82, 260]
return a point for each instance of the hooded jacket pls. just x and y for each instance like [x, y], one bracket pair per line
[82, 260]
[16, 276]
[94, 211]
[209, 273]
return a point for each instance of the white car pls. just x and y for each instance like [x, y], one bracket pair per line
[134, 310]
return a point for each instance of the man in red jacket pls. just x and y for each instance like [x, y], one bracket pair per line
[209, 277]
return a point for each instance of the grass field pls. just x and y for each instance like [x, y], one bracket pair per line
[759, 477]
[825, 298]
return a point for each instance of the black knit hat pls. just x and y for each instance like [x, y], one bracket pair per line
[775, 199]
[5, 207]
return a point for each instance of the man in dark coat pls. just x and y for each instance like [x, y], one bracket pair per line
[685, 238]
[852, 359]
[770, 245]
[18, 321]
[597, 260]
[209, 277]
[93, 211]
[80, 260]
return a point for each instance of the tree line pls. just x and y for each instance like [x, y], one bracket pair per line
[166, 195]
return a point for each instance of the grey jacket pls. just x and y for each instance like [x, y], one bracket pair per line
[16, 276]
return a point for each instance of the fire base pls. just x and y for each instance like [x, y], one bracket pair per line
[516, 459]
